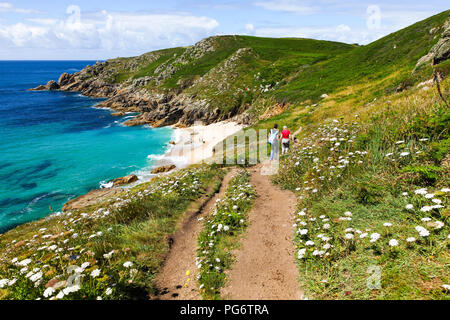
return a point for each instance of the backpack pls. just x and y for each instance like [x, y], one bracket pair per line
[272, 136]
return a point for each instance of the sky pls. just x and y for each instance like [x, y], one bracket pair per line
[98, 30]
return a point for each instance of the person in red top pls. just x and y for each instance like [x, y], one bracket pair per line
[286, 134]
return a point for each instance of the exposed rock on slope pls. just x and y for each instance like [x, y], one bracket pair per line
[91, 198]
[156, 107]
[125, 180]
[440, 51]
[163, 169]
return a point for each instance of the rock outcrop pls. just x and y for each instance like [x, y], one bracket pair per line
[125, 180]
[163, 169]
[156, 106]
[156, 109]
[91, 198]
[51, 85]
[440, 51]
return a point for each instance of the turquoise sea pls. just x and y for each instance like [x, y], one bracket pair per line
[56, 146]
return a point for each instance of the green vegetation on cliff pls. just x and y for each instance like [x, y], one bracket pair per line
[241, 72]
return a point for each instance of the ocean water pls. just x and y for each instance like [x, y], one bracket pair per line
[55, 146]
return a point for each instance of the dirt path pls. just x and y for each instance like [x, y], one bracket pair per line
[172, 280]
[265, 266]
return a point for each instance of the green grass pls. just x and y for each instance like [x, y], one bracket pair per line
[385, 155]
[370, 63]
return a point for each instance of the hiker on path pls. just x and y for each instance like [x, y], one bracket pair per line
[286, 135]
[274, 137]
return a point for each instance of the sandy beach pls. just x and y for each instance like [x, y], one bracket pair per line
[195, 144]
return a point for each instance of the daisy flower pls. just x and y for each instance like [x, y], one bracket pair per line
[393, 243]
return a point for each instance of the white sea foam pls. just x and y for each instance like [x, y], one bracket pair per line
[105, 185]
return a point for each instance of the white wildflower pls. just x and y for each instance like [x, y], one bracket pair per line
[95, 273]
[422, 231]
[421, 191]
[374, 237]
[49, 292]
[404, 154]
[393, 243]
[3, 283]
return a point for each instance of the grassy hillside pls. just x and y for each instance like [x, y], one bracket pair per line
[242, 72]
[394, 55]
[225, 71]
[371, 171]
[373, 189]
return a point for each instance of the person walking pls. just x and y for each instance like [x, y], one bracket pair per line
[286, 135]
[274, 142]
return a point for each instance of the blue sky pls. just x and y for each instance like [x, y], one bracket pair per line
[94, 29]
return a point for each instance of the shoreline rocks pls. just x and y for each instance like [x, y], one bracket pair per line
[50, 86]
[164, 169]
[156, 107]
[118, 114]
[90, 198]
[124, 180]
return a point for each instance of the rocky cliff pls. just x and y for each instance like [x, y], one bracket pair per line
[155, 104]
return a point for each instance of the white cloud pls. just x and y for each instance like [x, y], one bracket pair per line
[9, 7]
[107, 31]
[341, 33]
[291, 6]
[375, 23]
